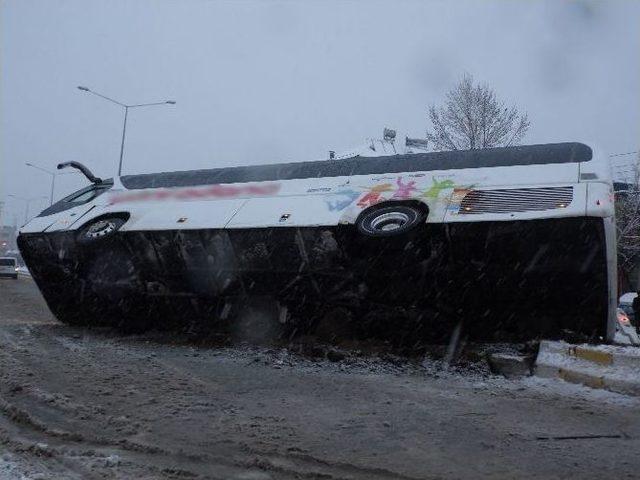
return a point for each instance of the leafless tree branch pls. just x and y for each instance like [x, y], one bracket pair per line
[628, 222]
[472, 117]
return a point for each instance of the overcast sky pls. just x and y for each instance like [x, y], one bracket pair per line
[266, 81]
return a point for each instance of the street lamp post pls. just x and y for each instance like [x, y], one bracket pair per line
[53, 178]
[27, 201]
[126, 113]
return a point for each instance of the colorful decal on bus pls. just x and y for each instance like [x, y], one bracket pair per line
[374, 194]
[348, 197]
[456, 198]
[437, 187]
[404, 189]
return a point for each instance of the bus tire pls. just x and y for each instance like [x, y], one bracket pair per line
[100, 229]
[390, 220]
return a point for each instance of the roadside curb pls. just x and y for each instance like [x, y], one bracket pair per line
[597, 366]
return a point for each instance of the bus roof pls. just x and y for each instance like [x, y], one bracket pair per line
[489, 157]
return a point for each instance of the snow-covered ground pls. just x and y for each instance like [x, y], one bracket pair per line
[13, 467]
[88, 403]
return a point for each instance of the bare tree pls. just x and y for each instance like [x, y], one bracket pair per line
[628, 222]
[473, 117]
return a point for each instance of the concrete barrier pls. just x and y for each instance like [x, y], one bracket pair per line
[609, 367]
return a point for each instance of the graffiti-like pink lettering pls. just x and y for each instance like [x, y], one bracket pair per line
[195, 193]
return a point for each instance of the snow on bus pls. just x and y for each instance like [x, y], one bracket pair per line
[514, 242]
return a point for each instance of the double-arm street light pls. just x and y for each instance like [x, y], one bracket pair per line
[27, 201]
[126, 112]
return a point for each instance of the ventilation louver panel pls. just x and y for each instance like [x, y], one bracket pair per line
[515, 200]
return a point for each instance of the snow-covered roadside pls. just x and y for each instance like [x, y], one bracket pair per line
[13, 468]
[553, 386]
[606, 367]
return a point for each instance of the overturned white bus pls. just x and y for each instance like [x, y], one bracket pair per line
[515, 242]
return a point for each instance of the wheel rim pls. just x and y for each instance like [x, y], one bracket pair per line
[388, 222]
[100, 229]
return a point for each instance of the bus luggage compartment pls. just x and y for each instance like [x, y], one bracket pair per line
[506, 281]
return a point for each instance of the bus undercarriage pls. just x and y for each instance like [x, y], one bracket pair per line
[505, 281]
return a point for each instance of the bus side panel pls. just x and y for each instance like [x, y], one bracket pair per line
[182, 215]
[289, 211]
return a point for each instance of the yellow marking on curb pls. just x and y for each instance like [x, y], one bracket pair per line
[588, 380]
[595, 356]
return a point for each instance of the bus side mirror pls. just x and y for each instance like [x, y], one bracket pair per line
[85, 171]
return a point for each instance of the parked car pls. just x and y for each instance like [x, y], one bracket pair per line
[8, 267]
[23, 270]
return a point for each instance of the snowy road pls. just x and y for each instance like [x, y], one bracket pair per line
[78, 403]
